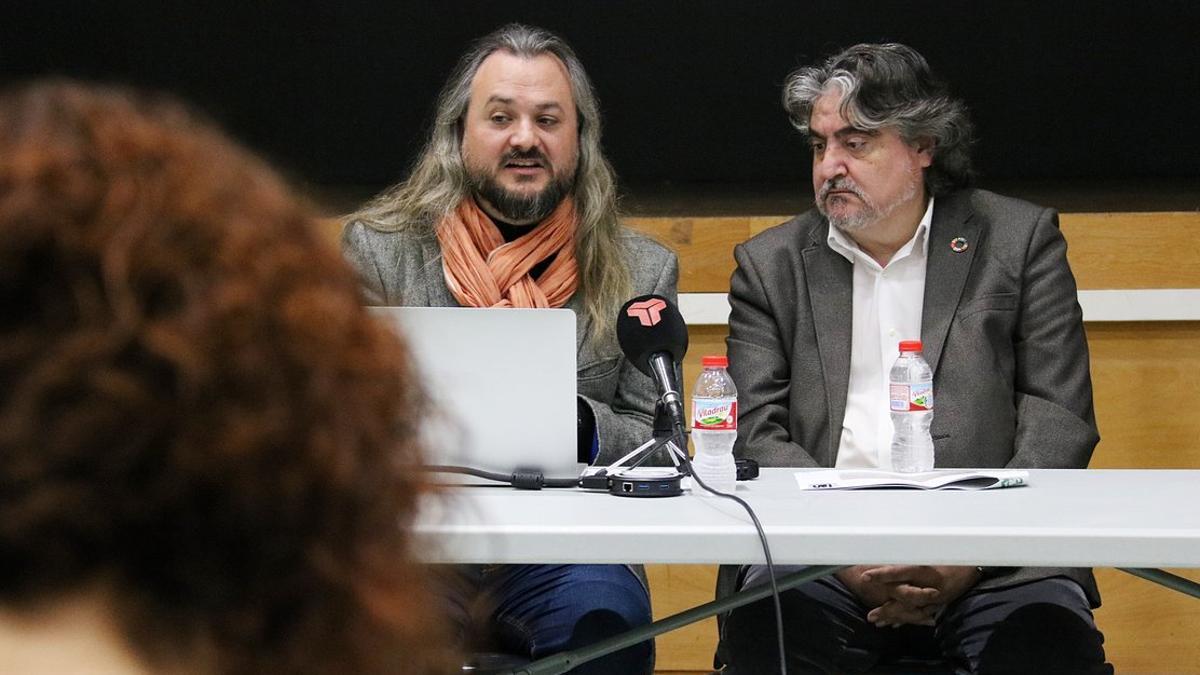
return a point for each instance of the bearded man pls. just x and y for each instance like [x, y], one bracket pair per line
[512, 204]
[899, 247]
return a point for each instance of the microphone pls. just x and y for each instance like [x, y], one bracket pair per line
[654, 338]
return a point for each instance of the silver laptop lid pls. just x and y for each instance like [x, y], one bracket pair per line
[502, 383]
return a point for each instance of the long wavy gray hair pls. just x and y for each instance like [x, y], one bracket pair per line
[438, 180]
[890, 85]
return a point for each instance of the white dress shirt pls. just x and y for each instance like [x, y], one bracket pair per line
[887, 309]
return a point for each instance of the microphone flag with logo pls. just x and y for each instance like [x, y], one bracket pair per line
[649, 325]
[654, 338]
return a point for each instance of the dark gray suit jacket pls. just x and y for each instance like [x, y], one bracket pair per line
[405, 269]
[1001, 327]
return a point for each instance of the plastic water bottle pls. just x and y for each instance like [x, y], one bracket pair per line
[910, 386]
[714, 426]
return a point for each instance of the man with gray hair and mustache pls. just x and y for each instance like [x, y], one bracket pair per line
[900, 247]
[512, 204]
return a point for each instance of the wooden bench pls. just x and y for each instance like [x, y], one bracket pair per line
[1146, 376]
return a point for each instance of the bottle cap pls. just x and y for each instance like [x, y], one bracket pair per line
[910, 346]
[715, 361]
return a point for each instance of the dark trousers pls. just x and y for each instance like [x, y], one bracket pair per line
[539, 610]
[1042, 626]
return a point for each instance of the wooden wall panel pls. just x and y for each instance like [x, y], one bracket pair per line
[704, 245]
[1106, 250]
[674, 589]
[1134, 250]
[1148, 628]
[1146, 378]
[331, 229]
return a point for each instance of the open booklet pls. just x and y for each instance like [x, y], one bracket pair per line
[963, 479]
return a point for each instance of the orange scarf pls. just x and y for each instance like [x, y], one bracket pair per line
[483, 271]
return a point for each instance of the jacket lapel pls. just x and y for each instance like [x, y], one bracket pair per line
[830, 281]
[946, 270]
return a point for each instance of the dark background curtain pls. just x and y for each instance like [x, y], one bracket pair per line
[340, 93]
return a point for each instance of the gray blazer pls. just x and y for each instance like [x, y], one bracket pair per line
[405, 268]
[1001, 326]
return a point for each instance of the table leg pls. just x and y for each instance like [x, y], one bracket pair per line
[1171, 581]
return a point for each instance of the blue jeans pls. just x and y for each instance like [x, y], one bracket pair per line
[539, 610]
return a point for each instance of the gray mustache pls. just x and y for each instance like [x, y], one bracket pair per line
[839, 184]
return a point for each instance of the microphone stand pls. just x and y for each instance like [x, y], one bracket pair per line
[666, 435]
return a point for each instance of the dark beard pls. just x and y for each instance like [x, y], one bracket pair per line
[519, 208]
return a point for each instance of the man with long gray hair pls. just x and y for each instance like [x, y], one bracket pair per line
[899, 247]
[512, 204]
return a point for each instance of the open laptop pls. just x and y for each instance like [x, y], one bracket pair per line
[502, 382]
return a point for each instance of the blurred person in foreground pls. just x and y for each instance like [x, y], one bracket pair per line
[202, 432]
[512, 204]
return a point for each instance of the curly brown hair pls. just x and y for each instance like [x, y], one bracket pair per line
[195, 409]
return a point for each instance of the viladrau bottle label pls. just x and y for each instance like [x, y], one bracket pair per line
[719, 414]
[911, 397]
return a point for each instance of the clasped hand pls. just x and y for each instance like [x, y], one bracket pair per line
[907, 594]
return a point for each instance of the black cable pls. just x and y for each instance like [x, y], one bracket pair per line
[534, 480]
[762, 537]
[522, 480]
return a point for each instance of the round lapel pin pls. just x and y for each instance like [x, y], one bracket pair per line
[958, 244]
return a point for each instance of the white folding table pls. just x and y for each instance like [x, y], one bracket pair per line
[1136, 520]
